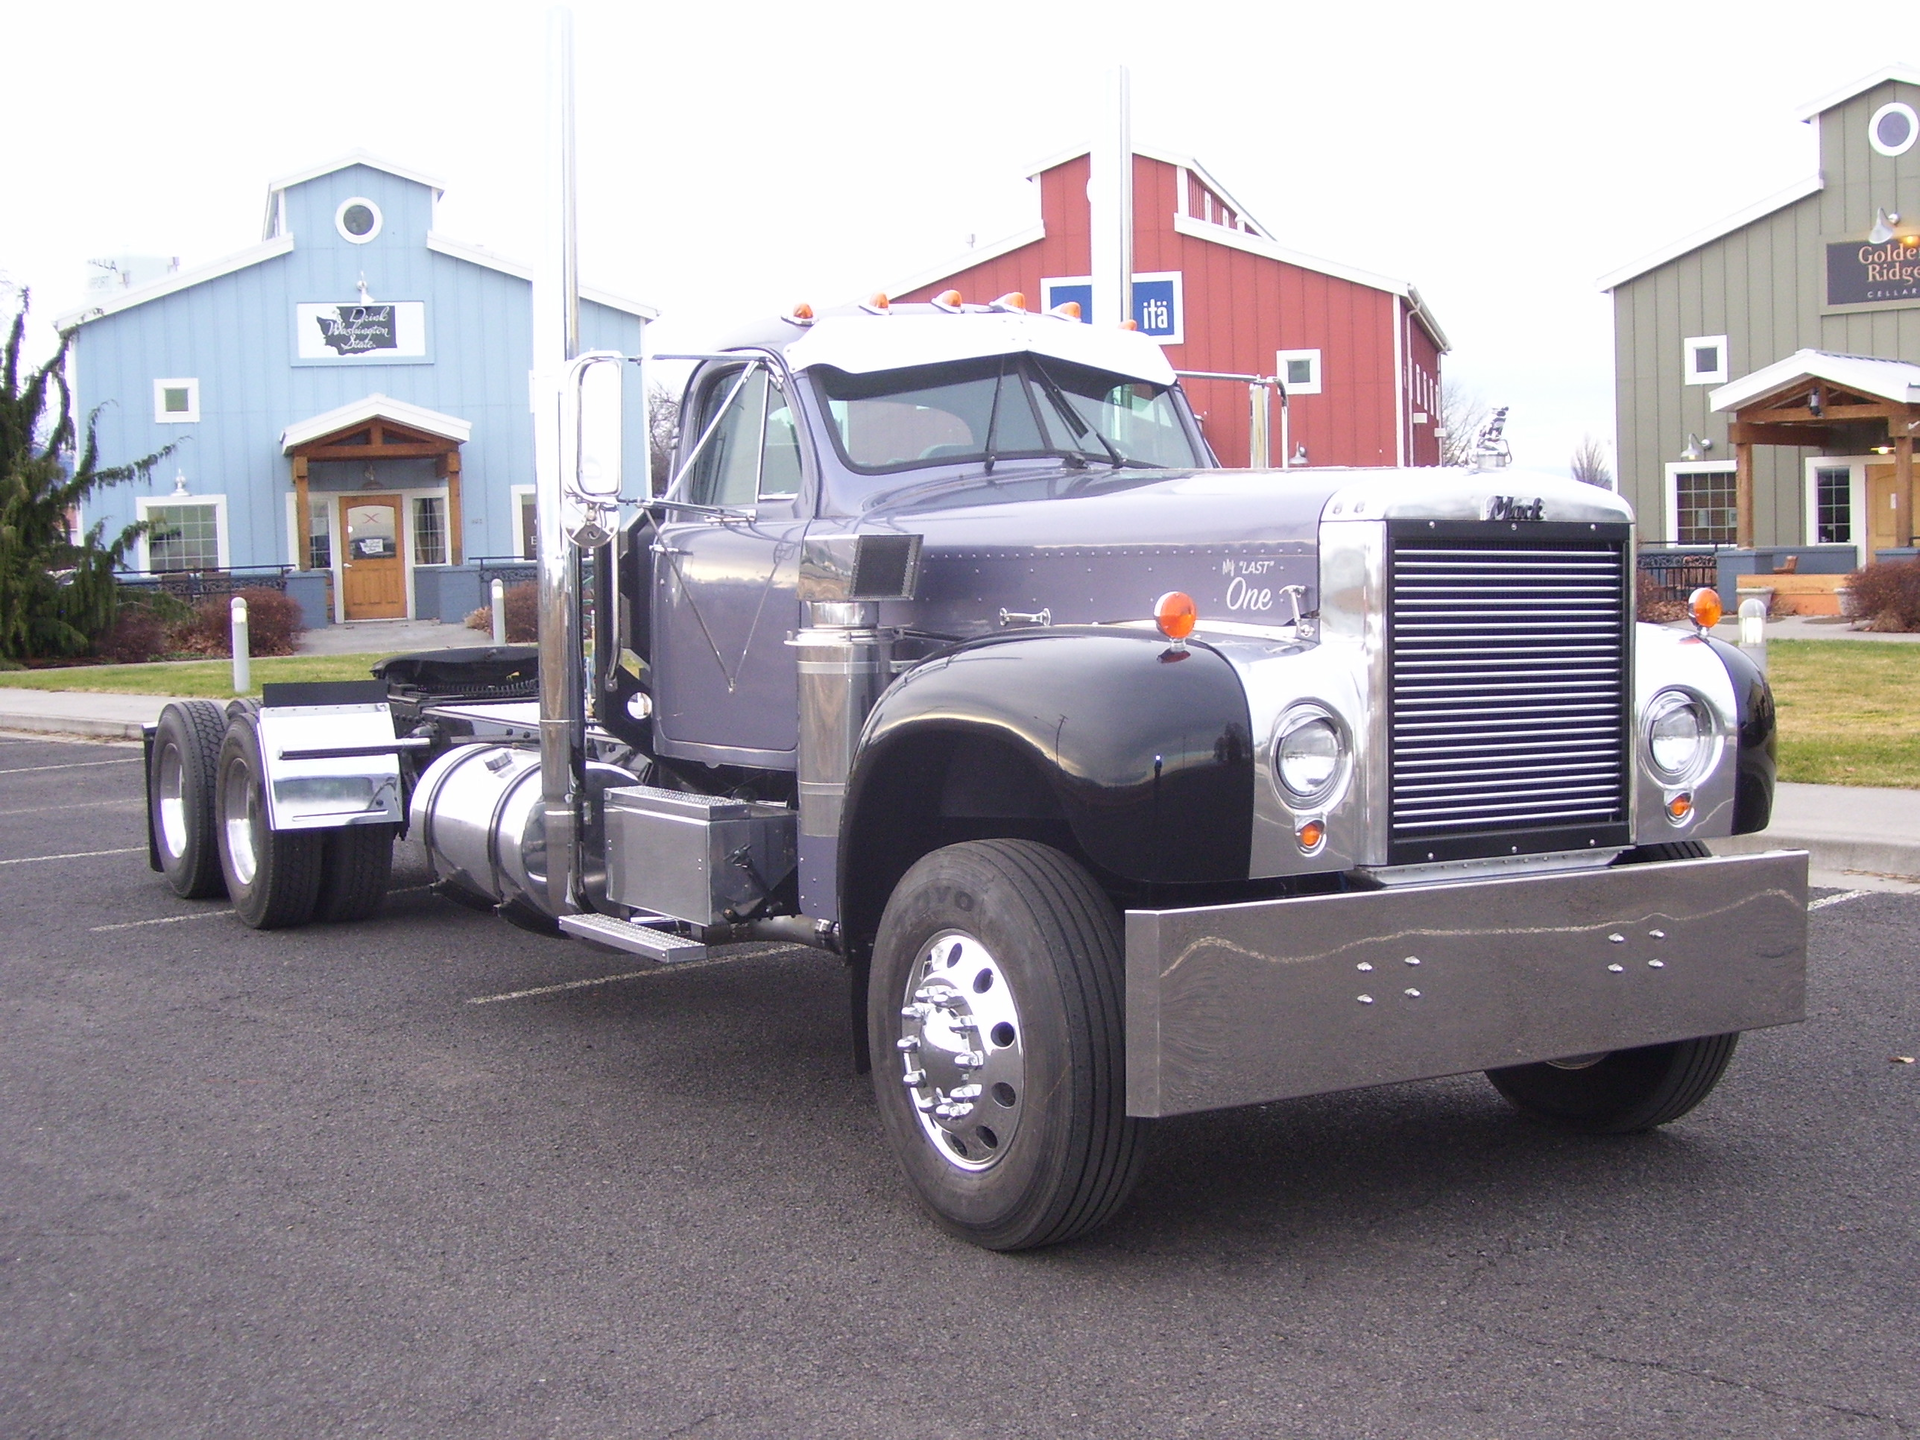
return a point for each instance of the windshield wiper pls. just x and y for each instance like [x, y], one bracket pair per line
[993, 412]
[1078, 427]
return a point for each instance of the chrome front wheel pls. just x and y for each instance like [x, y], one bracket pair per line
[961, 1051]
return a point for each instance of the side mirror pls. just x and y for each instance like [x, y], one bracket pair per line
[592, 426]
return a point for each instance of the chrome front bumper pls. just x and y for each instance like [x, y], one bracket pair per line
[1239, 1004]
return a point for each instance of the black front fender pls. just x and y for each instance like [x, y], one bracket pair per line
[1145, 750]
[1754, 778]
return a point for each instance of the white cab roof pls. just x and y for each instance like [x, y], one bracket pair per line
[861, 343]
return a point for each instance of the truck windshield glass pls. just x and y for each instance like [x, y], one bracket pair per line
[948, 414]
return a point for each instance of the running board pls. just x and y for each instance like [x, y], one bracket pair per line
[635, 937]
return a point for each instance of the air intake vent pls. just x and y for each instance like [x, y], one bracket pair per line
[1509, 689]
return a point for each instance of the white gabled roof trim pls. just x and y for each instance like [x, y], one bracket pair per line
[1812, 185]
[1895, 380]
[1165, 157]
[480, 255]
[372, 407]
[357, 157]
[1903, 74]
[1256, 245]
[179, 280]
[979, 255]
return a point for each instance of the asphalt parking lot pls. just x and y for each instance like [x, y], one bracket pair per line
[383, 1180]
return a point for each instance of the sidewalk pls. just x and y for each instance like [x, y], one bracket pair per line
[1860, 838]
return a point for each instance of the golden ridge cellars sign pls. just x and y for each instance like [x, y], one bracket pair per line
[361, 332]
[1862, 273]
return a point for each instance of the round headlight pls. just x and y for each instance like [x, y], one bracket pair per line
[1679, 732]
[1309, 754]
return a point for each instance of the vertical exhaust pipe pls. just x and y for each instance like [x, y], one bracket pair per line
[556, 340]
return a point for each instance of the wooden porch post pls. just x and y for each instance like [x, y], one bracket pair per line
[1903, 481]
[302, 514]
[450, 466]
[1743, 493]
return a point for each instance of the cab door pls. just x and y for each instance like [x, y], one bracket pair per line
[726, 581]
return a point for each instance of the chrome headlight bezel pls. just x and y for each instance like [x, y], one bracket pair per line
[1293, 722]
[1670, 702]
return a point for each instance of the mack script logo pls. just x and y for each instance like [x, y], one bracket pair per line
[1512, 507]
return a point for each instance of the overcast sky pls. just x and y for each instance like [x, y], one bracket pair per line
[737, 157]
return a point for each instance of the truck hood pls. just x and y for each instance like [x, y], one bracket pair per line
[1094, 547]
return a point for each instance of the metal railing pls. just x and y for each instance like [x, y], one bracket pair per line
[1677, 571]
[194, 586]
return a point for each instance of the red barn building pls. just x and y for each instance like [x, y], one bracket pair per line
[1360, 353]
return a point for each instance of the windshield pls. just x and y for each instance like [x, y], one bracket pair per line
[1001, 408]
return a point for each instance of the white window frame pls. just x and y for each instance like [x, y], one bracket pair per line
[322, 498]
[1856, 498]
[1312, 387]
[514, 492]
[1873, 129]
[1690, 349]
[340, 220]
[1670, 499]
[164, 416]
[143, 505]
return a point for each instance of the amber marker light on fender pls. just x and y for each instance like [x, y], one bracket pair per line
[1680, 806]
[1310, 835]
[1175, 614]
[1704, 606]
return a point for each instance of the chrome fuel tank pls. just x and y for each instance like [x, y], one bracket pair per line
[477, 810]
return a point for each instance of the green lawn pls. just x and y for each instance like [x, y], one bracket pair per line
[1849, 711]
[211, 678]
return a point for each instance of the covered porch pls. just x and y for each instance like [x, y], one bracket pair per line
[375, 527]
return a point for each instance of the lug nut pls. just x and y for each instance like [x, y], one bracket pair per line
[908, 1043]
[913, 1078]
[969, 1060]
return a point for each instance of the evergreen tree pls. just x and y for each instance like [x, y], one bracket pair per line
[56, 596]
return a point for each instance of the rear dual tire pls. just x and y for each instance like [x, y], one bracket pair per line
[181, 782]
[273, 876]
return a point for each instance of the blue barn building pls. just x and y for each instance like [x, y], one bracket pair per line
[350, 394]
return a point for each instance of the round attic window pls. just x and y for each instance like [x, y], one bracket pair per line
[358, 220]
[1893, 129]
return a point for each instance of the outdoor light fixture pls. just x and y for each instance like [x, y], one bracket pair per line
[1696, 447]
[1815, 404]
[1299, 454]
[1883, 224]
[179, 483]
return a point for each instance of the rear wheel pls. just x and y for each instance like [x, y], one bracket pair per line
[180, 786]
[1620, 1091]
[995, 1016]
[272, 875]
[356, 862]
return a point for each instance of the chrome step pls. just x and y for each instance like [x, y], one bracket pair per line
[635, 937]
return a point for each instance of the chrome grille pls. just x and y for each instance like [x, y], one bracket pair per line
[1510, 713]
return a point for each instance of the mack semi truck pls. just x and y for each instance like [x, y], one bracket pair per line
[1125, 785]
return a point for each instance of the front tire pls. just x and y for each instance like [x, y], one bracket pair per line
[995, 1013]
[272, 875]
[180, 797]
[1620, 1092]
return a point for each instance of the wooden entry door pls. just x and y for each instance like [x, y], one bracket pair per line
[1886, 511]
[374, 568]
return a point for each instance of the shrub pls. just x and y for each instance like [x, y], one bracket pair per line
[137, 635]
[523, 615]
[273, 625]
[1887, 596]
[1653, 604]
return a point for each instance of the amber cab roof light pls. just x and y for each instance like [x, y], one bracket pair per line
[877, 304]
[1012, 301]
[949, 301]
[1066, 310]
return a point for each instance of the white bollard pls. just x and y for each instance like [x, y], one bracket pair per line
[242, 661]
[499, 611]
[1753, 631]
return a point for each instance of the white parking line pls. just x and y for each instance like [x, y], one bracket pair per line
[72, 765]
[76, 855]
[1837, 899]
[163, 920]
[130, 801]
[664, 969]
